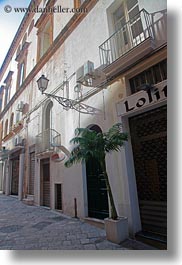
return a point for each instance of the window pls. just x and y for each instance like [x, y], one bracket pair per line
[30, 27]
[11, 122]
[126, 19]
[152, 75]
[22, 73]
[78, 3]
[24, 39]
[21, 58]
[45, 36]
[119, 18]
[6, 128]
[0, 104]
[17, 117]
[45, 2]
[1, 97]
[7, 87]
[131, 3]
[18, 51]
[1, 131]
[6, 95]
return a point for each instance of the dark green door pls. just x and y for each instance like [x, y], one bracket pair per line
[96, 188]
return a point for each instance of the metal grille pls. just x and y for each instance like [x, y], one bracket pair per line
[149, 142]
[152, 75]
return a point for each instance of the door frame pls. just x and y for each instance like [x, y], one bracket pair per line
[85, 186]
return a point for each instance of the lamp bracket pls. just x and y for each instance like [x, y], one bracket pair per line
[74, 104]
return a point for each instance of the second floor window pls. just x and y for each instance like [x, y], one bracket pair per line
[7, 87]
[1, 132]
[21, 58]
[78, 3]
[45, 37]
[6, 128]
[6, 95]
[11, 122]
[22, 73]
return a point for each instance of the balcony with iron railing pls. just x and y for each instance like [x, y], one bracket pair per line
[132, 41]
[47, 140]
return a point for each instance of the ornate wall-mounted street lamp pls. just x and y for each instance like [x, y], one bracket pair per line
[66, 102]
[42, 83]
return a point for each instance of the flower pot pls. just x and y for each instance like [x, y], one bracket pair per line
[116, 230]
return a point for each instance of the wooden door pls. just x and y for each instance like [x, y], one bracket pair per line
[45, 167]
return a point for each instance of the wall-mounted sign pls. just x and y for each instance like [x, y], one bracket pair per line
[142, 99]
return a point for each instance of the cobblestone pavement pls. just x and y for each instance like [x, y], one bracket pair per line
[37, 228]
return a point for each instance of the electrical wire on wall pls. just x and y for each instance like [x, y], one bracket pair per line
[104, 106]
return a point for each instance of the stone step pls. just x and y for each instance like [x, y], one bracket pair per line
[95, 222]
[29, 200]
[30, 197]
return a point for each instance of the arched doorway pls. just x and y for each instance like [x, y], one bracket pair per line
[96, 187]
[45, 162]
[46, 125]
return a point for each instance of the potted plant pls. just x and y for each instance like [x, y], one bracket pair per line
[92, 144]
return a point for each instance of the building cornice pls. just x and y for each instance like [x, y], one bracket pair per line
[63, 35]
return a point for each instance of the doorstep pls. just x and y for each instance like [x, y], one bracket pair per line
[29, 200]
[157, 241]
[95, 222]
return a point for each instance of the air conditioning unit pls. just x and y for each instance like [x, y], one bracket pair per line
[99, 78]
[80, 74]
[85, 71]
[20, 106]
[88, 68]
[18, 141]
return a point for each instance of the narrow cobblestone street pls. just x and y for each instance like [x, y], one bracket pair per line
[31, 227]
[24, 227]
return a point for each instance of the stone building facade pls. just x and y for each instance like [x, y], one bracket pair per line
[107, 63]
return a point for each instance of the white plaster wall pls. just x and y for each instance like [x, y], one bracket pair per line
[61, 19]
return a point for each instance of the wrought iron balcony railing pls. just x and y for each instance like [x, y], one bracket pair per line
[134, 32]
[46, 140]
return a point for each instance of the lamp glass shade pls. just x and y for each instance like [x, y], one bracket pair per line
[42, 83]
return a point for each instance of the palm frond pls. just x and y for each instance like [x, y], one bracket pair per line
[95, 144]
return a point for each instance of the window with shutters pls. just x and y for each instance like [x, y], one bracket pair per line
[45, 35]
[7, 87]
[21, 58]
[11, 122]
[6, 128]
[78, 3]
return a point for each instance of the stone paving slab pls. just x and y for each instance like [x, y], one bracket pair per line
[24, 227]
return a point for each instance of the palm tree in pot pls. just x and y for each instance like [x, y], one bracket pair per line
[91, 144]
